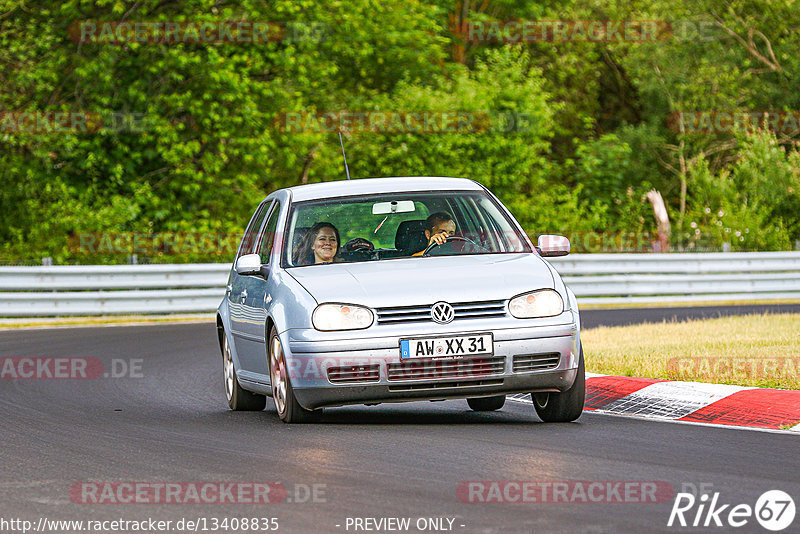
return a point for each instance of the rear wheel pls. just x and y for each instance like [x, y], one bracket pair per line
[487, 404]
[565, 406]
[238, 399]
[289, 410]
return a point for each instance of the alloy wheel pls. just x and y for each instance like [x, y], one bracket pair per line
[228, 369]
[278, 374]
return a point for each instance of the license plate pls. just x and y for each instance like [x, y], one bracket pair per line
[446, 347]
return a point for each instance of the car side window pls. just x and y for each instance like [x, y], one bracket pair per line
[268, 236]
[250, 235]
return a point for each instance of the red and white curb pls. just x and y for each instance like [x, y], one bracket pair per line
[691, 402]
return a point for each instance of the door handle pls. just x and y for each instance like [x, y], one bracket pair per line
[243, 295]
[228, 289]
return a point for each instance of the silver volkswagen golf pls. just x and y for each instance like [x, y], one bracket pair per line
[394, 290]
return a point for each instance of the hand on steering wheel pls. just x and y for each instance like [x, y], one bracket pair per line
[438, 239]
[435, 242]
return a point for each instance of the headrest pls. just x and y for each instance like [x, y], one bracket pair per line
[410, 237]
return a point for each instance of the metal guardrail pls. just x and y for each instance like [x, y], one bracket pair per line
[595, 279]
[665, 278]
[111, 289]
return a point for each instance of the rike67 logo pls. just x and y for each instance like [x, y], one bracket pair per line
[774, 510]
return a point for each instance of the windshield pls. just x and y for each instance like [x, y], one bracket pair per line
[398, 225]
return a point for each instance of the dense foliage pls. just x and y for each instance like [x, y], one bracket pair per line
[579, 129]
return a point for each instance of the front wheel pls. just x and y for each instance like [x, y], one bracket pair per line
[239, 399]
[565, 406]
[289, 410]
[487, 404]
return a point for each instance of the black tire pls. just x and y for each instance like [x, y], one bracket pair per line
[565, 406]
[289, 410]
[487, 404]
[239, 399]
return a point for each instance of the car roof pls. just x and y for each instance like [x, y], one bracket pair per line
[369, 186]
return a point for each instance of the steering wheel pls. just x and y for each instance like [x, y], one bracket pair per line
[451, 239]
[358, 244]
[358, 249]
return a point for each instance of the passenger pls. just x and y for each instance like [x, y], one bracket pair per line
[438, 227]
[320, 244]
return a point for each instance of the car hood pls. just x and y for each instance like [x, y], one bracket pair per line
[421, 281]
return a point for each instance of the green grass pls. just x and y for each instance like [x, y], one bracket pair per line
[752, 350]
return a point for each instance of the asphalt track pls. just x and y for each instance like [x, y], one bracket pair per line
[171, 424]
[619, 317]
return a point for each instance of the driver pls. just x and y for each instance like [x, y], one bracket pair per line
[438, 227]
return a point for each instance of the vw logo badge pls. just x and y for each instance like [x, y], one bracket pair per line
[442, 313]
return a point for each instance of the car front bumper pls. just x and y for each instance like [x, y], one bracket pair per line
[379, 375]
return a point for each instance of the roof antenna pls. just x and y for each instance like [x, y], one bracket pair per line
[344, 156]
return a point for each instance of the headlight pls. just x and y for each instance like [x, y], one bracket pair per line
[542, 303]
[341, 317]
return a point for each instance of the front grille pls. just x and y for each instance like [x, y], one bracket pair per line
[463, 310]
[354, 373]
[524, 363]
[446, 385]
[436, 369]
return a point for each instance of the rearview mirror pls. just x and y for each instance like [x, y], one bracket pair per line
[553, 245]
[249, 264]
[395, 206]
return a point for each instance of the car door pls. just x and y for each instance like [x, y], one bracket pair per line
[241, 298]
[254, 306]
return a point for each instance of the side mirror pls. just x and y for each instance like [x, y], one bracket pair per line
[553, 245]
[249, 264]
